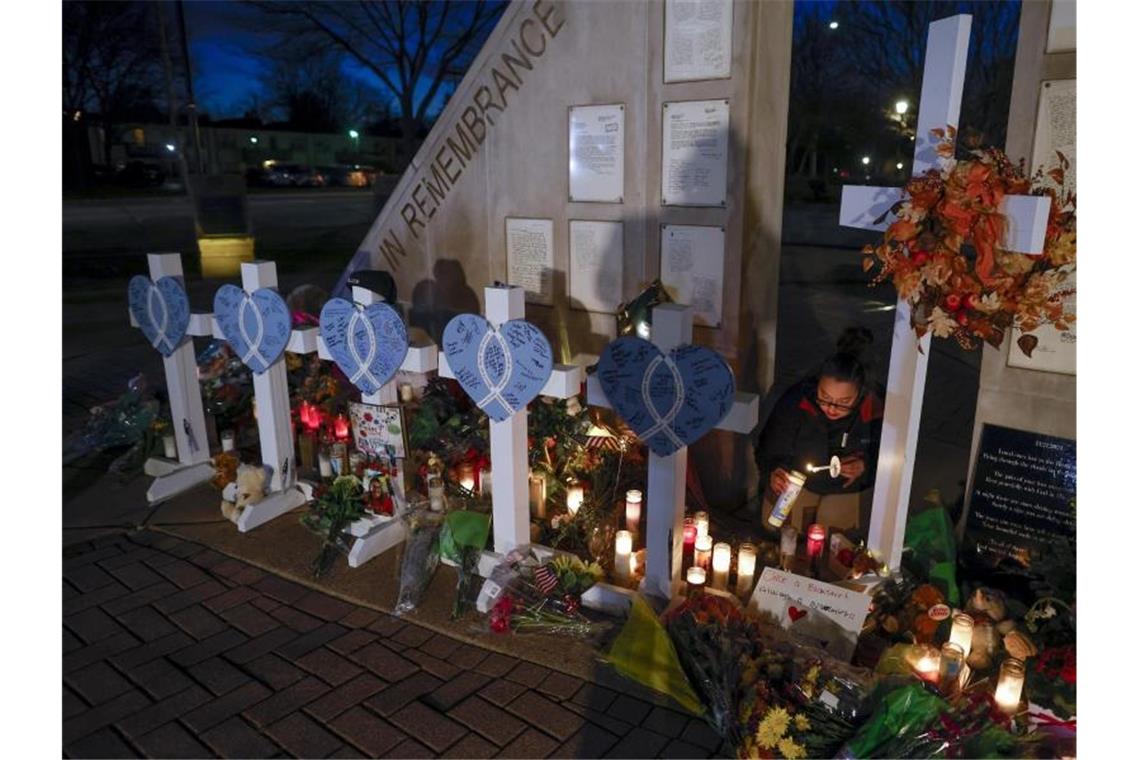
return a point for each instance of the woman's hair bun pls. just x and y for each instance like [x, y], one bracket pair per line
[854, 341]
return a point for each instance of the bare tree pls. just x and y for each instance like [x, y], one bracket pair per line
[413, 48]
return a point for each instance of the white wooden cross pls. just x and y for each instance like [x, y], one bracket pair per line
[509, 455]
[374, 534]
[944, 72]
[665, 491]
[172, 477]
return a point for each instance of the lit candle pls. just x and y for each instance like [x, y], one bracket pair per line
[574, 497]
[816, 533]
[340, 427]
[925, 660]
[324, 462]
[466, 473]
[745, 569]
[485, 482]
[721, 563]
[407, 393]
[962, 632]
[227, 440]
[435, 493]
[623, 547]
[1011, 679]
[633, 511]
[688, 542]
[950, 664]
[789, 536]
[696, 577]
[702, 521]
[538, 495]
[702, 556]
[169, 447]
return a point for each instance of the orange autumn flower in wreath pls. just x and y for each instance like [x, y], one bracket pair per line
[943, 251]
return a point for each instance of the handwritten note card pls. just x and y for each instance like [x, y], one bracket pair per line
[669, 401]
[821, 614]
[501, 370]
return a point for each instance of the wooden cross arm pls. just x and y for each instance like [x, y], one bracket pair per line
[565, 380]
[741, 418]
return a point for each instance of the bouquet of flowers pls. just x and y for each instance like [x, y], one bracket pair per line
[539, 596]
[1051, 680]
[330, 515]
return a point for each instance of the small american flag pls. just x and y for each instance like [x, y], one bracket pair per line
[545, 579]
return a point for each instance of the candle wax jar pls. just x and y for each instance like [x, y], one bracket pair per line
[702, 555]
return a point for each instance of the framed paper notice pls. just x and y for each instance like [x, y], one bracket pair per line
[597, 153]
[1056, 130]
[694, 153]
[596, 255]
[530, 258]
[692, 269]
[698, 40]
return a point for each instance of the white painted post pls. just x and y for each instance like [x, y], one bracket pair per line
[944, 72]
[186, 416]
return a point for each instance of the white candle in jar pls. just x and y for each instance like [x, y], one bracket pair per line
[325, 464]
[623, 548]
[701, 520]
[538, 495]
[695, 577]
[702, 552]
[228, 440]
[485, 482]
[169, 447]
[575, 495]
[1011, 679]
[633, 511]
[745, 569]
[962, 632]
[407, 393]
[435, 493]
[721, 563]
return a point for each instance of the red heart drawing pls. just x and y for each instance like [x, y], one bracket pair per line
[795, 613]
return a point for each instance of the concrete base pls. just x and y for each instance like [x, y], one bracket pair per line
[380, 539]
[275, 505]
[171, 478]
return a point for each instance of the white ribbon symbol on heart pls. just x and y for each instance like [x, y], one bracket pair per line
[159, 327]
[663, 424]
[508, 365]
[362, 364]
[254, 352]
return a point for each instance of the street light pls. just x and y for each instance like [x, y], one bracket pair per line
[170, 147]
[901, 107]
[833, 25]
[866, 160]
[899, 166]
[353, 134]
[253, 140]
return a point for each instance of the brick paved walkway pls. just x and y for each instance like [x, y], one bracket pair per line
[175, 650]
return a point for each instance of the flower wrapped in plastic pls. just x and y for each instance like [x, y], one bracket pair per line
[528, 594]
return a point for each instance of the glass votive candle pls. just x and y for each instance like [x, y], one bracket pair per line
[925, 661]
[575, 495]
[227, 440]
[407, 393]
[950, 663]
[721, 564]
[962, 632]
[537, 494]
[436, 499]
[169, 446]
[816, 534]
[485, 482]
[465, 474]
[1011, 679]
[789, 536]
[633, 510]
[702, 554]
[623, 548]
[695, 576]
[745, 569]
[701, 520]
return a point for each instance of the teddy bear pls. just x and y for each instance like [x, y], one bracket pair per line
[249, 488]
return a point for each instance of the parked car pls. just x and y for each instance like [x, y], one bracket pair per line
[140, 174]
[293, 175]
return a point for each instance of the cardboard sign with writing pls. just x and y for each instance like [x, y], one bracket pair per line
[378, 430]
[819, 614]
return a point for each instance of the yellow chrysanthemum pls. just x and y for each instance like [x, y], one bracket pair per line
[802, 723]
[790, 750]
[773, 727]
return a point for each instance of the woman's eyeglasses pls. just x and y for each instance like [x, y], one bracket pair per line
[822, 401]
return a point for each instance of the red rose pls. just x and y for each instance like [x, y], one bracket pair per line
[500, 625]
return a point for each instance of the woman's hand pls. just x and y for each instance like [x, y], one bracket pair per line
[778, 480]
[851, 469]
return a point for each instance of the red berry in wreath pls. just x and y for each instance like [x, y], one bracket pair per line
[920, 257]
[953, 302]
[971, 301]
[963, 318]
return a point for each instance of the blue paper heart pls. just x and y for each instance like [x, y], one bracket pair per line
[161, 310]
[669, 401]
[368, 343]
[257, 326]
[501, 370]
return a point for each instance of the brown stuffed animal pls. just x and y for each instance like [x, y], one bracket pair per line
[251, 481]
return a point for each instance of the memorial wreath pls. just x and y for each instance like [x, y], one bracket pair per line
[944, 214]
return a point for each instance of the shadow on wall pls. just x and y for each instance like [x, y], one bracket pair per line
[436, 301]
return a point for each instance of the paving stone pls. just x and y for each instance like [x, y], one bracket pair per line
[701, 734]
[203, 592]
[198, 621]
[152, 650]
[410, 748]
[399, 694]
[135, 599]
[160, 713]
[275, 672]
[146, 624]
[280, 589]
[71, 642]
[345, 696]
[502, 692]
[265, 603]
[361, 617]
[488, 720]
[472, 746]
[100, 650]
[560, 686]
[249, 620]
[98, 683]
[666, 722]
[302, 736]
[386, 625]
[593, 696]
[103, 743]
[183, 574]
[259, 646]
[629, 709]
[289, 699]
[349, 751]
[231, 598]
[531, 743]
[235, 738]
[295, 619]
[88, 578]
[72, 703]
[496, 665]
[352, 641]
[92, 625]
[457, 689]
[217, 675]
[433, 665]
[206, 558]
[228, 567]
[373, 735]
[212, 713]
[611, 724]
[551, 718]
[440, 646]
[323, 606]
[329, 666]
[180, 548]
[136, 576]
[172, 740]
[132, 555]
[384, 662]
[208, 647]
[102, 596]
[159, 678]
[589, 741]
[638, 743]
[84, 557]
[412, 635]
[315, 639]
[105, 714]
[467, 656]
[679, 749]
[248, 575]
[428, 726]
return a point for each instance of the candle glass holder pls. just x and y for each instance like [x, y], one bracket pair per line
[633, 511]
[789, 537]
[695, 578]
[745, 569]
[688, 542]
[702, 553]
[951, 661]
[721, 564]
[962, 632]
[701, 520]
[537, 494]
[1011, 680]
